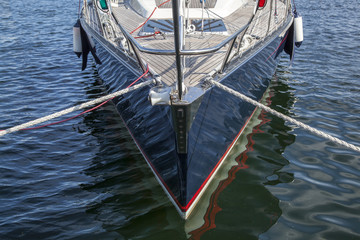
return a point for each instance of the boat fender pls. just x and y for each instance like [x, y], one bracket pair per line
[298, 24]
[77, 46]
[159, 96]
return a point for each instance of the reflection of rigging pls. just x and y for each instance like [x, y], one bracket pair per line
[257, 208]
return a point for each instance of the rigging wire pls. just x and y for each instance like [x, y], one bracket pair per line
[294, 6]
[79, 9]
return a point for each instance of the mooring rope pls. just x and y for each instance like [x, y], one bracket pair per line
[284, 117]
[75, 108]
[153, 81]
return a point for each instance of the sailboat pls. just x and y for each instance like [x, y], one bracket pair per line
[184, 126]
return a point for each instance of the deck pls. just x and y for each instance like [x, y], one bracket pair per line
[197, 67]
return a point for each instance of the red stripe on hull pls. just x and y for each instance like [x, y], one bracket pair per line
[184, 209]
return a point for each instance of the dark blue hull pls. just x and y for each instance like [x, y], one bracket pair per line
[218, 123]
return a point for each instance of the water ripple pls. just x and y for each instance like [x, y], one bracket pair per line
[86, 179]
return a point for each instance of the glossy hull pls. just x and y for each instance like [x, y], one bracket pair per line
[218, 123]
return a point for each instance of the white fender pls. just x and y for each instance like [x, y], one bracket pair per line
[77, 45]
[298, 26]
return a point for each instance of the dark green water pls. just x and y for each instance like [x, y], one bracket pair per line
[85, 179]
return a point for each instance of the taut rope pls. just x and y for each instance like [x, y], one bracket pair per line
[75, 108]
[284, 117]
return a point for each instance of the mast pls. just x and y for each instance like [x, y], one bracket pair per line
[178, 32]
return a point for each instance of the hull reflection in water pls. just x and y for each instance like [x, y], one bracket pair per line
[238, 192]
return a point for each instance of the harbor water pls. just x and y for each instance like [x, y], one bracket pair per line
[86, 179]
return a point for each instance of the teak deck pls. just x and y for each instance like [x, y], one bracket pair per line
[196, 67]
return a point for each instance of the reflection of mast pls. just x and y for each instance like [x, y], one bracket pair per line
[267, 201]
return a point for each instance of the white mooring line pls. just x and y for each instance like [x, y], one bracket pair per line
[219, 85]
[284, 117]
[75, 108]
